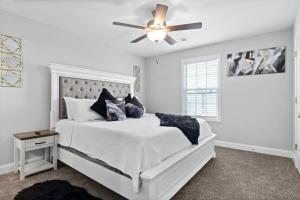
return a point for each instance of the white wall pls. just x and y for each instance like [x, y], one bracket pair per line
[256, 110]
[27, 108]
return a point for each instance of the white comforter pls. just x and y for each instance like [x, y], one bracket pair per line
[132, 145]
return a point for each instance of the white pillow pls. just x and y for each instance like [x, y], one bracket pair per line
[69, 106]
[80, 109]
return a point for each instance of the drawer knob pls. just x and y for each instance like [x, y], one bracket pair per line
[37, 143]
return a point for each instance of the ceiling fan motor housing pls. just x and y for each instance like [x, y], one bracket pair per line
[151, 25]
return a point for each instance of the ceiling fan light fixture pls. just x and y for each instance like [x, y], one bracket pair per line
[157, 35]
[157, 29]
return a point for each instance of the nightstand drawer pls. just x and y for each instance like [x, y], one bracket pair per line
[39, 143]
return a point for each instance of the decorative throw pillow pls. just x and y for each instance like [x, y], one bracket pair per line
[100, 105]
[115, 111]
[133, 111]
[128, 98]
[133, 101]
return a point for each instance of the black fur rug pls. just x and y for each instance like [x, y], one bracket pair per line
[54, 190]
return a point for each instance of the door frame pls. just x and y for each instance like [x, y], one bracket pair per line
[296, 58]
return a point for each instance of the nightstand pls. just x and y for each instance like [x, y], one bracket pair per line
[24, 142]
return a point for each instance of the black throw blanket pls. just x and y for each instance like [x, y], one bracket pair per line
[188, 125]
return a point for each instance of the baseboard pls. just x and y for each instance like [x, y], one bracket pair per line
[6, 168]
[257, 149]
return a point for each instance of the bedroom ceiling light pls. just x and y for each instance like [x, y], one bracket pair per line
[157, 28]
[157, 35]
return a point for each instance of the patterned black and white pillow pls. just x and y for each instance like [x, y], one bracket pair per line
[115, 111]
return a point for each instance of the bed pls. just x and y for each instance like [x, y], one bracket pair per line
[136, 158]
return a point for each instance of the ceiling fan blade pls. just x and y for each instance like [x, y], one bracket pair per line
[182, 27]
[139, 39]
[128, 25]
[170, 40]
[160, 14]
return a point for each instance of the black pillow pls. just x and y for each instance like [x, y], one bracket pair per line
[133, 101]
[133, 111]
[128, 98]
[100, 105]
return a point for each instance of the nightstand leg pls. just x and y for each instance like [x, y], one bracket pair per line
[47, 153]
[22, 162]
[15, 156]
[55, 153]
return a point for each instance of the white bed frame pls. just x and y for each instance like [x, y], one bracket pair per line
[158, 183]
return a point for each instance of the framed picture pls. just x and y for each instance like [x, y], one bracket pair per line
[10, 61]
[261, 61]
[137, 75]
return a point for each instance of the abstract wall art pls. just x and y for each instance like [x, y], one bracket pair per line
[261, 61]
[137, 75]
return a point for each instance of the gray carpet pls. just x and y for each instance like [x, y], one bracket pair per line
[233, 175]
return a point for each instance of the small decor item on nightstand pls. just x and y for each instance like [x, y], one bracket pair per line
[10, 61]
[38, 133]
[24, 142]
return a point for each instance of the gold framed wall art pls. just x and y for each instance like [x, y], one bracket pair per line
[10, 61]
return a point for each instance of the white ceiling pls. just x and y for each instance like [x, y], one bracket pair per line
[222, 19]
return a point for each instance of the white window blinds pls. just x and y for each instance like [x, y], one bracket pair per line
[200, 87]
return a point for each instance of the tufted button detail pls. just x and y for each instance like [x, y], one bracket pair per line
[65, 81]
[117, 85]
[95, 97]
[103, 84]
[114, 91]
[98, 90]
[71, 89]
[90, 89]
[76, 96]
[85, 96]
[76, 82]
[120, 91]
[86, 82]
[95, 83]
[81, 89]
[109, 85]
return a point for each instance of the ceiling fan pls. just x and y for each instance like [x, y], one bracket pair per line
[157, 28]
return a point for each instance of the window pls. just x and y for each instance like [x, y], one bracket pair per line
[201, 87]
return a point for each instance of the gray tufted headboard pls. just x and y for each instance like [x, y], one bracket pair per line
[79, 82]
[86, 89]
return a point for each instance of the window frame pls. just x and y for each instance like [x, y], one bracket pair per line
[202, 59]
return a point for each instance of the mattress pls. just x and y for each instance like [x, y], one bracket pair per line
[131, 146]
